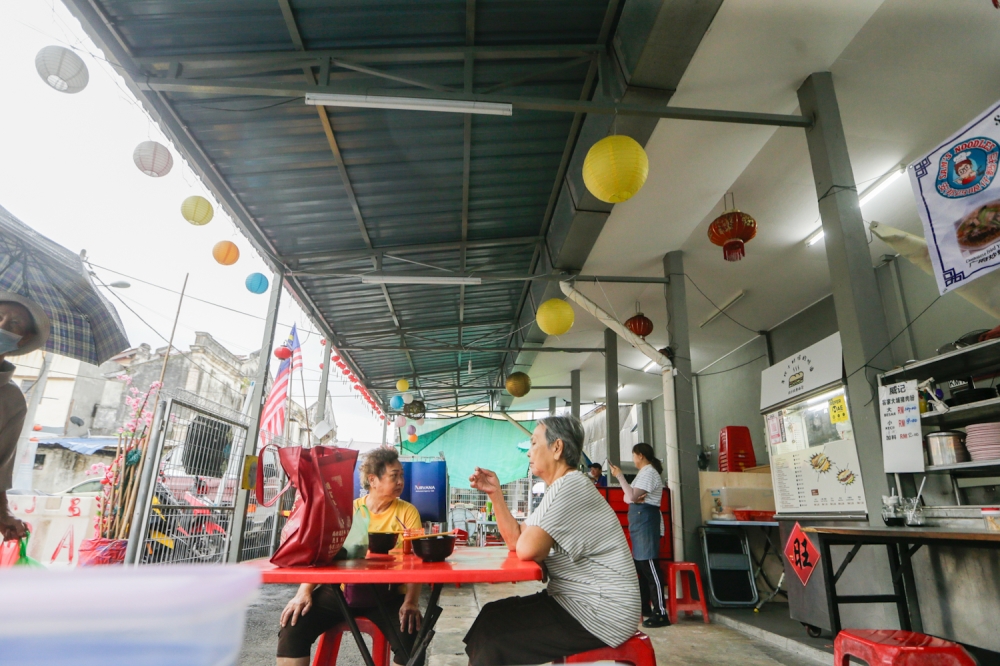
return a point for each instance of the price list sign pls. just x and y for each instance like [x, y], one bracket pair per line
[902, 440]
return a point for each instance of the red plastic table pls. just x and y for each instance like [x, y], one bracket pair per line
[465, 565]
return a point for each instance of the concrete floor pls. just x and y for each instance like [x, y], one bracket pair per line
[690, 642]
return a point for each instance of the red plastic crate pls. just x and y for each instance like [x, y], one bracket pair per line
[735, 449]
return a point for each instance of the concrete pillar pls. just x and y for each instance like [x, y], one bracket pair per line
[574, 392]
[256, 403]
[856, 296]
[611, 395]
[689, 500]
[552, 406]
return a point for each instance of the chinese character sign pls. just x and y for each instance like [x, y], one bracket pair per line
[902, 440]
[959, 201]
[801, 554]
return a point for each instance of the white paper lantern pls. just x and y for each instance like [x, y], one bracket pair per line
[62, 69]
[407, 398]
[153, 159]
[420, 422]
[400, 421]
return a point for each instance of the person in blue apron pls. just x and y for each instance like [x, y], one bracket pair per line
[645, 527]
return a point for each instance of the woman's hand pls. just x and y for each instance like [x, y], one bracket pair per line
[297, 606]
[484, 480]
[615, 471]
[409, 617]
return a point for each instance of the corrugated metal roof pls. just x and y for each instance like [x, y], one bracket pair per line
[406, 168]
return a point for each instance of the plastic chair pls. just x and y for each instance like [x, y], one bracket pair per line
[329, 643]
[637, 651]
[885, 647]
[685, 602]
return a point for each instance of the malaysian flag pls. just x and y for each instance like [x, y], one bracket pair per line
[272, 418]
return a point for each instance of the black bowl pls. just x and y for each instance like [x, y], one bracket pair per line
[434, 548]
[382, 542]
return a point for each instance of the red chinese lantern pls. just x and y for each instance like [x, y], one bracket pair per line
[639, 325]
[344, 370]
[284, 353]
[731, 231]
[320, 366]
[352, 377]
[335, 358]
[322, 342]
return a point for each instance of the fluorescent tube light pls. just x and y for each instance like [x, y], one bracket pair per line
[814, 237]
[652, 365]
[722, 308]
[883, 182]
[410, 104]
[418, 279]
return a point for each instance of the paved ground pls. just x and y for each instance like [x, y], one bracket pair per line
[691, 642]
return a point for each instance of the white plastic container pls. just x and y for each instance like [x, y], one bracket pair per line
[192, 615]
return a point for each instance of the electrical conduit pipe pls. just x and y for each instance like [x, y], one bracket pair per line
[669, 407]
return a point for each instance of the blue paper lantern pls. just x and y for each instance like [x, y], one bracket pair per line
[396, 402]
[257, 283]
[411, 430]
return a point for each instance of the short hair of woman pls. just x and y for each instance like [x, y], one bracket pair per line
[646, 451]
[376, 462]
[570, 431]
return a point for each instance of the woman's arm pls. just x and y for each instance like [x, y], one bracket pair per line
[487, 482]
[632, 495]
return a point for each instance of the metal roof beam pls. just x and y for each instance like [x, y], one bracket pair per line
[348, 332]
[416, 276]
[579, 106]
[470, 38]
[343, 64]
[339, 255]
[382, 55]
[457, 349]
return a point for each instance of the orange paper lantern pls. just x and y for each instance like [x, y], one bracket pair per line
[226, 253]
[731, 231]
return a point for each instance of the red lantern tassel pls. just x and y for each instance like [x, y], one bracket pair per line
[733, 250]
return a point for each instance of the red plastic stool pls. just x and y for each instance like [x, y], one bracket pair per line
[637, 651]
[329, 643]
[685, 602]
[885, 647]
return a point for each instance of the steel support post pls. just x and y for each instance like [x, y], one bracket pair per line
[611, 393]
[856, 296]
[323, 381]
[687, 499]
[574, 392]
[256, 403]
[552, 406]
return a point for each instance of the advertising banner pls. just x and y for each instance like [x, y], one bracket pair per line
[959, 202]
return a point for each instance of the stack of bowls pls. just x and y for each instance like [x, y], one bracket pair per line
[983, 441]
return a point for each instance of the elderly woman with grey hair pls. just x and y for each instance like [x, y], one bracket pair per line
[592, 599]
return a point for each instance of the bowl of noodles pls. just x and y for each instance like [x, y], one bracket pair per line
[980, 227]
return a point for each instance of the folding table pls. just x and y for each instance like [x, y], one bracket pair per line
[465, 565]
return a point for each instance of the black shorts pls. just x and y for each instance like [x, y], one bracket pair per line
[296, 641]
[526, 630]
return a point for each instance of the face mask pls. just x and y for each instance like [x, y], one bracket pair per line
[8, 341]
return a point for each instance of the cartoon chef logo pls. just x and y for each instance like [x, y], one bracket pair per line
[967, 168]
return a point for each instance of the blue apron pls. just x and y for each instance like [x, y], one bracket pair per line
[644, 528]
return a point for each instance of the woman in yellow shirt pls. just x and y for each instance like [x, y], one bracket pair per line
[313, 609]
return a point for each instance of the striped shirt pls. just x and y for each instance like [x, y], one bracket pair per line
[590, 568]
[649, 481]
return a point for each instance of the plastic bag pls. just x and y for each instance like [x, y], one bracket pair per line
[15, 554]
[95, 552]
[356, 543]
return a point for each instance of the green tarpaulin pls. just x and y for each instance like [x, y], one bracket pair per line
[475, 441]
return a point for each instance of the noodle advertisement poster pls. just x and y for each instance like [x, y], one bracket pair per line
[958, 199]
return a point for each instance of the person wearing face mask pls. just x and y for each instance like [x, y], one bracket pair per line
[24, 327]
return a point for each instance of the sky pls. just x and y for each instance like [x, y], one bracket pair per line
[66, 170]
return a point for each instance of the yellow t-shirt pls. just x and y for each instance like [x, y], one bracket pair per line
[386, 521]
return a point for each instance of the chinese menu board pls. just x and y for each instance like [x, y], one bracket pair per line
[814, 461]
[902, 439]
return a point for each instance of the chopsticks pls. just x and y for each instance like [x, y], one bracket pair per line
[427, 536]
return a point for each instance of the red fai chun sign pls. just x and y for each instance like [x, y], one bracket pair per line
[801, 554]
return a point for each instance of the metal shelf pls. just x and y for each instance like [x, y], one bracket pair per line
[966, 362]
[962, 415]
[974, 468]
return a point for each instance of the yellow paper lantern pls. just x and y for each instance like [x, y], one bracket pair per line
[555, 316]
[197, 210]
[518, 384]
[226, 253]
[615, 168]
[402, 385]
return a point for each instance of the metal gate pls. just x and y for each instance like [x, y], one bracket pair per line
[263, 524]
[189, 508]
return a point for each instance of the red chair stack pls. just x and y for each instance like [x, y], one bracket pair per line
[637, 651]
[887, 647]
[329, 643]
[735, 449]
[685, 602]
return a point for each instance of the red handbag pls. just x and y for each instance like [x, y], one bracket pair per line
[323, 477]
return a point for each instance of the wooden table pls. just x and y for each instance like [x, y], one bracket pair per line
[465, 565]
[901, 543]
